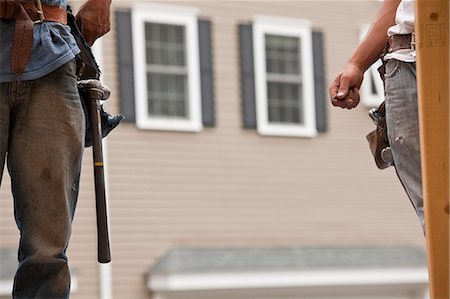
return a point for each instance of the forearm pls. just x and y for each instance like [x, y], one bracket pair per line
[104, 2]
[371, 47]
[107, 2]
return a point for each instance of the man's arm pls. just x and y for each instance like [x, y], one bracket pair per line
[93, 19]
[344, 90]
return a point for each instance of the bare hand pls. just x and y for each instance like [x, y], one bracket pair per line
[93, 19]
[344, 91]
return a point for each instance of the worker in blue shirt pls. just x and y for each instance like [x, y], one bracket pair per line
[42, 128]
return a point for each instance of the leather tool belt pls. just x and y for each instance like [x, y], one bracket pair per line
[48, 13]
[27, 13]
[401, 41]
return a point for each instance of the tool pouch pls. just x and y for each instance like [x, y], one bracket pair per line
[378, 138]
[107, 121]
[87, 68]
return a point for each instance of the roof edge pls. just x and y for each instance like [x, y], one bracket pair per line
[312, 278]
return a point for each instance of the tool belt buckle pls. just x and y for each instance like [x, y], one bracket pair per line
[39, 11]
[413, 41]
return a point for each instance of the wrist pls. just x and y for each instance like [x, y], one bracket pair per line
[101, 2]
[356, 65]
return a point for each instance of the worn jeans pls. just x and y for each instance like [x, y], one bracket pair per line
[403, 128]
[42, 137]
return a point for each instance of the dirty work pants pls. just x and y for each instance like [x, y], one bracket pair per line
[403, 128]
[42, 139]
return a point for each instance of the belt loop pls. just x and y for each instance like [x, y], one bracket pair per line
[40, 11]
[385, 49]
[413, 41]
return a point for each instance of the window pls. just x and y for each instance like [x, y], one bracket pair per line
[166, 68]
[372, 88]
[284, 77]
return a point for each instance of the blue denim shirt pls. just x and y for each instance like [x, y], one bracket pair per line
[53, 46]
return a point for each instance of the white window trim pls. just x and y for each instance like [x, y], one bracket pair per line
[176, 15]
[287, 279]
[286, 27]
[369, 99]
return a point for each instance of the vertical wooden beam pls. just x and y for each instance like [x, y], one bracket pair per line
[432, 33]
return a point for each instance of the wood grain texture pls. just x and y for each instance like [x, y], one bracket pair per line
[433, 81]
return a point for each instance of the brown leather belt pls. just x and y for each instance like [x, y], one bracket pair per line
[26, 13]
[49, 13]
[401, 41]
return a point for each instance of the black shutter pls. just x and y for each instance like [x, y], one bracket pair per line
[319, 82]
[206, 72]
[247, 76]
[125, 67]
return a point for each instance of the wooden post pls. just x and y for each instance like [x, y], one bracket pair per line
[432, 34]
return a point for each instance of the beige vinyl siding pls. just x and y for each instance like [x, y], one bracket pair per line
[229, 186]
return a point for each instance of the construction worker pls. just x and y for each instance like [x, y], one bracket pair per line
[42, 127]
[394, 23]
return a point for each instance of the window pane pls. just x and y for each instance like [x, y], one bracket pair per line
[167, 75]
[284, 85]
[282, 54]
[167, 95]
[285, 104]
[165, 44]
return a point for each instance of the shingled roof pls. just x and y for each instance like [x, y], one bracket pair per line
[208, 260]
[188, 269]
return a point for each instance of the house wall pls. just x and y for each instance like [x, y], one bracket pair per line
[229, 186]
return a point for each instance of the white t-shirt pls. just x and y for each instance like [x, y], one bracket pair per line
[404, 20]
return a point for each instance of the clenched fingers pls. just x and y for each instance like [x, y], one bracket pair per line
[350, 101]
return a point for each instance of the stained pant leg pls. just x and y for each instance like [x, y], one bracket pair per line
[403, 129]
[44, 162]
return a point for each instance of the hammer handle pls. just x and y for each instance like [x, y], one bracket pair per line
[103, 247]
